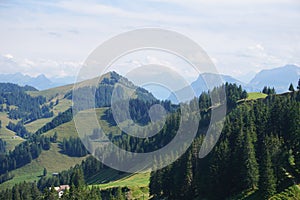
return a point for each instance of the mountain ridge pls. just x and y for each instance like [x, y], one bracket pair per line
[280, 78]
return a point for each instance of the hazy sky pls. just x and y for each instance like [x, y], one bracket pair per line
[240, 36]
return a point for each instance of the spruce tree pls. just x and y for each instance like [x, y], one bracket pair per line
[188, 175]
[291, 88]
[45, 172]
[251, 172]
[119, 195]
[267, 181]
[77, 178]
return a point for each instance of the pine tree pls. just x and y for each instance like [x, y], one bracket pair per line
[119, 195]
[94, 194]
[155, 184]
[188, 175]
[55, 137]
[51, 194]
[77, 178]
[291, 88]
[265, 90]
[267, 182]
[45, 172]
[251, 172]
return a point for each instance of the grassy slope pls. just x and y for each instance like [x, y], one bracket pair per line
[8, 135]
[68, 129]
[53, 92]
[137, 183]
[133, 180]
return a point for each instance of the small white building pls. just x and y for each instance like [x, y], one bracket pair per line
[60, 190]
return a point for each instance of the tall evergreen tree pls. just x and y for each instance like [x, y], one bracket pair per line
[250, 166]
[77, 178]
[291, 88]
[45, 172]
[267, 181]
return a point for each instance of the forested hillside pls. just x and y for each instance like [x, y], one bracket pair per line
[258, 155]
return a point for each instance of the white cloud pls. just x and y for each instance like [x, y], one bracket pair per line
[10, 64]
[8, 56]
[240, 36]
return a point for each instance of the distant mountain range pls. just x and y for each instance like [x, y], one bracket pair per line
[40, 82]
[279, 78]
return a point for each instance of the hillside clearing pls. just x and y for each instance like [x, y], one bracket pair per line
[9, 136]
[52, 160]
[256, 95]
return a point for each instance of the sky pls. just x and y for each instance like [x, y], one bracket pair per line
[56, 37]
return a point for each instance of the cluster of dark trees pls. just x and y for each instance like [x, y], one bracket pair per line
[19, 129]
[268, 90]
[62, 118]
[53, 138]
[291, 87]
[28, 108]
[73, 147]
[234, 93]
[24, 153]
[22, 191]
[258, 149]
